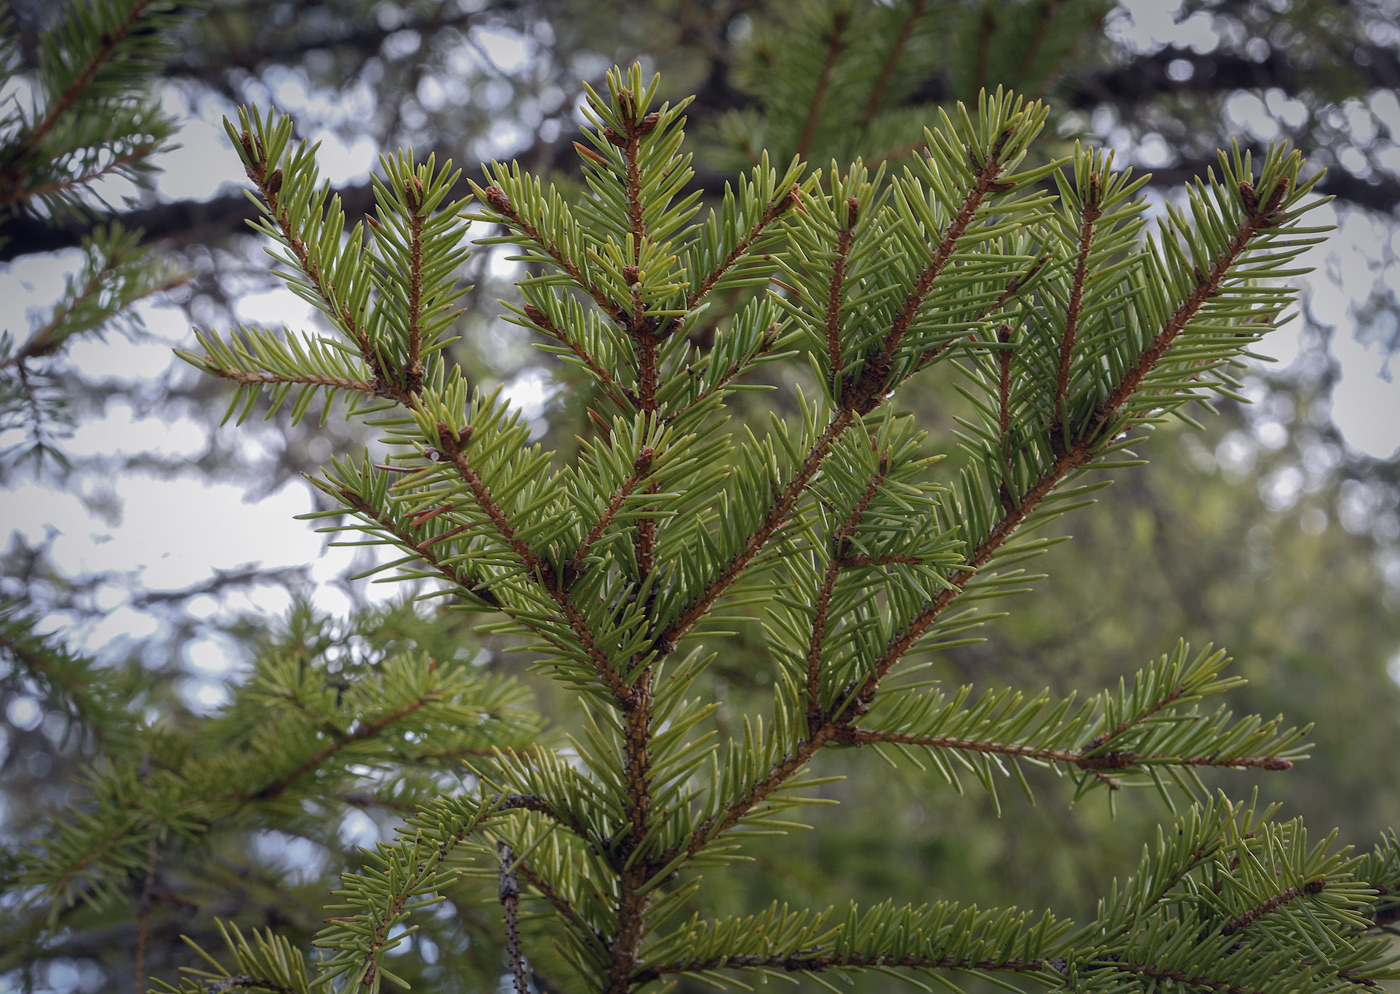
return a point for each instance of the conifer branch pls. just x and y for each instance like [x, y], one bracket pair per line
[844, 239]
[1264, 908]
[451, 443]
[622, 396]
[984, 184]
[108, 167]
[1037, 38]
[143, 919]
[253, 379]
[1013, 286]
[1090, 214]
[110, 43]
[759, 791]
[735, 368]
[501, 204]
[1081, 452]
[368, 730]
[1258, 217]
[406, 539]
[891, 63]
[835, 43]
[1158, 973]
[269, 185]
[772, 521]
[1081, 758]
[560, 903]
[247, 982]
[50, 336]
[817, 962]
[866, 394]
[619, 497]
[775, 209]
[413, 368]
[834, 565]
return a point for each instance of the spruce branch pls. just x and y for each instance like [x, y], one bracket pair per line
[268, 178]
[1090, 214]
[844, 239]
[744, 246]
[623, 397]
[868, 386]
[406, 538]
[835, 42]
[452, 447]
[113, 54]
[838, 560]
[891, 62]
[343, 740]
[1254, 220]
[1090, 759]
[497, 199]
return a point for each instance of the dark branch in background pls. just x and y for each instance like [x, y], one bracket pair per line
[1126, 86]
[1145, 77]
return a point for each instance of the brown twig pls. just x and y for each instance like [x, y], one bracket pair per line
[891, 63]
[508, 889]
[836, 41]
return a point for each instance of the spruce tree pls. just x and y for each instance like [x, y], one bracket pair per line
[1071, 330]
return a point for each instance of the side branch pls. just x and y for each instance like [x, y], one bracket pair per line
[451, 446]
[447, 571]
[110, 40]
[366, 731]
[844, 238]
[269, 186]
[508, 890]
[1072, 757]
[836, 42]
[1092, 211]
[501, 204]
[838, 560]
[1082, 451]
[775, 209]
[618, 394]
[247, 379]
[820, 962]
[866, 394]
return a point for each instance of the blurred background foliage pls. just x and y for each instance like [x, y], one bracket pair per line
[1265, 532]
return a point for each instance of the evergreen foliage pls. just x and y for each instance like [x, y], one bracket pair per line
[85, 119]
[1072, 333]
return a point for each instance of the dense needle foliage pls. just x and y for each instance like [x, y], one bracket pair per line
[624, 568]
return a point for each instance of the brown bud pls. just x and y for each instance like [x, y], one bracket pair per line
[465, 435]
[648, 124]
[852, 211]
[589, 153]
[498, 200]
[631, 274]
[644, 459]
[534, 314]
[1251, 202]
[274, 182]
[619, 140]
